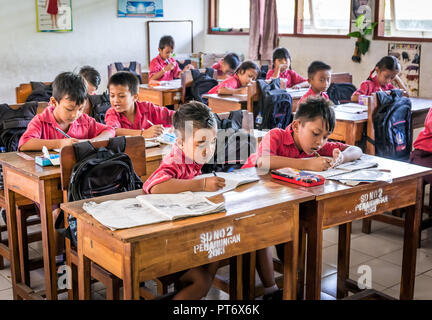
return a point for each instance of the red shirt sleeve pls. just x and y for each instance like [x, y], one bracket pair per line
[162, 174]
[176, 71]
[363, 89]
[160, 115]
[95, 128]
[327, 150]
[154, 67]
[112, 118]
[296, 78]
[269, 74]
[34, 131]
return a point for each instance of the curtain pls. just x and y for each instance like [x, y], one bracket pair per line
[263, 30]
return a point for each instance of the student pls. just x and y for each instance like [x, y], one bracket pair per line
[319, 78]
[386, 71]
[422, 154]
[303, 144]
[237, 84]
[164, 67]
[129, 116]
[176, 173]
[227, 65]
[92, 77]
[282, 69]
[65, 112]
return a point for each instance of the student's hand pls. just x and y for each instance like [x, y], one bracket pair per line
[283, 83]
[153, 131]
[318, 164]
[214, 184]
[243, 90]
[169, 67]
[283, 67]
[338, 158]
[67, 142]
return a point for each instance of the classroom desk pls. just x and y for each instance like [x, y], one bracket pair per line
[41, 185]
[159, 95]
[338, 205]
[154, 157]
[259, 215]
[226, 103]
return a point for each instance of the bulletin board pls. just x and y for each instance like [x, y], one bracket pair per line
[181, 31]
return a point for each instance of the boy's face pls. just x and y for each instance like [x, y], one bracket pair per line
[384, 77]
[166, 52]
[121, 98]
[226, 69]
[247, 76]
[310, 136]
[199, 146]
[67, 111]
[91, 89]
[320, 81]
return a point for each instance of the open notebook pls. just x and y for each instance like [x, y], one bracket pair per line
[355, 165]
[150, 209]
[351, 108]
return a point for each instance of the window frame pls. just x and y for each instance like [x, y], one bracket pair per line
[212, 21]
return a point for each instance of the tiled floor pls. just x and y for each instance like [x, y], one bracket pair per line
[381, 251]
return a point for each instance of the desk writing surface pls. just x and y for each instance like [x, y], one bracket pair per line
[245, 199]
[419, 104]
[158, 152]
[354, 117]
[161, 88]
[238, 98]
[29, 167]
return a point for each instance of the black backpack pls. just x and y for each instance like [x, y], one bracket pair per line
[340, 93]
[202, 84]
[233, 146]
[98, 173]
[392, 125]
[100, 104]
[40, 92]
[273, 109]
[132, 68]
[263, 72]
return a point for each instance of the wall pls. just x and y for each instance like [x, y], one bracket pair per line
[98, 39]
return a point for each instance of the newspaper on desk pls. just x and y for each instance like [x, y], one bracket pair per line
[150, 209]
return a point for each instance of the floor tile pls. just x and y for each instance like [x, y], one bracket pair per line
[423, 263]
[374, 246]
[6, 294]
[5, 283]
[422, 289]
[384, 273]
[356, 257]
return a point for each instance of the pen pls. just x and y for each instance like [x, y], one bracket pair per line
[150, 122]
[214, 174]
[63, 133]
[316, 154]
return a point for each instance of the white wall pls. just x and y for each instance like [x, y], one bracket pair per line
[98, 39]
[335, 52]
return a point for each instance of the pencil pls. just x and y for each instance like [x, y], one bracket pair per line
[316, 154]
[63, 133]
[150, 122]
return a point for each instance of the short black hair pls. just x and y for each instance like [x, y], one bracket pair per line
[166, 41]
[232, 59]
[317, 66]
[281, 53]
[125, 78]
[317, 107]
[246, 65]
[91, 75]
[199, 113]
[71, 85]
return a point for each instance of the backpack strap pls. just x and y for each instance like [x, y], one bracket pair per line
[12, 124]
[119, 66]
[83, 150]
[132, 66]
[195, 74]
[117, 144]
[209, 72]
[236, 118]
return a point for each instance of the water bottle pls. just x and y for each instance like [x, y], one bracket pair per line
[258, 120]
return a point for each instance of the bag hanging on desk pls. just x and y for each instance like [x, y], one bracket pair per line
[132, 68]
[202, 84]
[392, 125]
[100, 104]
[99, 172]
[340, 93]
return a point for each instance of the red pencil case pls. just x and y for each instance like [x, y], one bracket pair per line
[299, 177]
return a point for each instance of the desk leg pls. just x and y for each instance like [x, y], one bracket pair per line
[411, 235]
[48, 239]
[131, 288]
[13, 240]
[248, 275]
[344, 246]
[236, 278]
[301, 263]
[350, 134]
[84, 266]
[314, 253]
[290, 261]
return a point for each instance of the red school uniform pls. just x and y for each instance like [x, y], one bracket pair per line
[143, 111]
[43, 126]
[218, 66]
[231, 82]
[371, 86]
[174, 165]
[157, 64]
[279, 142]
[424, 139]
[310, 92]
[291, 76]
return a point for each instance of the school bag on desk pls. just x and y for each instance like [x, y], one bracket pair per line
[340, 93]
[40, 92]
[392, 125]
[100, 104]
[98, 173]
[133, 67]
[233, 146]
[273, 109]
[202, 83]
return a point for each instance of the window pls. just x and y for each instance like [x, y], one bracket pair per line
[411, 18]
[286, 16]
[228, 16]
[331, 17]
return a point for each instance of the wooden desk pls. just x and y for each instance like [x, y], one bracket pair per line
[420, 109]
[338, 205]
[41, 185]
[160, 96]
[154, 157]
[226, 103]
[259, 215]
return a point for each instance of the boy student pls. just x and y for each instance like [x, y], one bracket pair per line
[65, 112]
[164, 67]
[129, 116]
[319, 78]
[92, 77]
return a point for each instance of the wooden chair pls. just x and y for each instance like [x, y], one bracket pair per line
[396, 218]
[23, 91]
[341, 77]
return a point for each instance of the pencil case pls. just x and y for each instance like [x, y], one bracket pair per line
[44, 162]
[301, 178]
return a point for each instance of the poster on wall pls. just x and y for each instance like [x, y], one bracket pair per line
[54, 15]
[359, 7]
[143, 9]
[408, 55]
